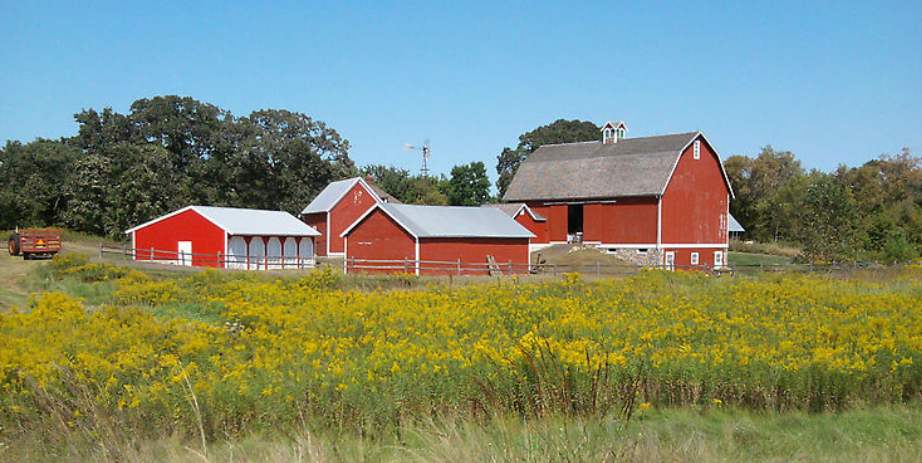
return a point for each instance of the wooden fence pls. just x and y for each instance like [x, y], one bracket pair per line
[458, 268]
[247, 262]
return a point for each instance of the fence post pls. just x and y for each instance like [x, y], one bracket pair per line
[555, 269]
[406, 266]
[510, 267]
[459, 267]
[100, 250]
[152, 253]
[598, 269]
[218, 263]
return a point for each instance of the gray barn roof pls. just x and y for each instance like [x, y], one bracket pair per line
[249, 222]
[630, 167]
[334, 192]
[512, 210]
[450, 221]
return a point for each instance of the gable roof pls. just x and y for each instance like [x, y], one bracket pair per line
[237, 221]
[334, 193]
[449, 221]
[630, 167]
[513, 210]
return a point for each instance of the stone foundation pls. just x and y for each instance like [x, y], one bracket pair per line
[652, 258]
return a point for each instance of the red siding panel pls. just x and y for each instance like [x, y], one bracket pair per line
[557, 222]
[629, 221]
[695, 203]
[473, 251]
[165, 235]
[356, 202]
[319, 222]
[379, 237]
[539, 228]
[592, 222]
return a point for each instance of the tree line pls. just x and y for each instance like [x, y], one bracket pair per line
[168, 152]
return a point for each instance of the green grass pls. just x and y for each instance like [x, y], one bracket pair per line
[748, 258]
[879, 434]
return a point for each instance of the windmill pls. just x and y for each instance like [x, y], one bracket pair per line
[425, 149]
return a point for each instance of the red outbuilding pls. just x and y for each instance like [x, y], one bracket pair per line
[525, 216]
[661, 200]
[226, 237]
[337, 207]
[433, 240]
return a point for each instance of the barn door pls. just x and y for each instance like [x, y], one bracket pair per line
[290, 252]
[274, 253]
[184, 248]
[257, 254]
[237, 253]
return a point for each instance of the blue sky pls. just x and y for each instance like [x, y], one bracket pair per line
[834, 82]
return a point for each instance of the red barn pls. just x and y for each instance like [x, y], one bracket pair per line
[525, 216]
[659, 200]
[226, 237]
[448, 240]
[337, 207]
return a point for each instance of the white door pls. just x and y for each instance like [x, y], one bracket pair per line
[184, 248]
[257, 254]
[718, 259]
[237, 253]
[306, 252]
[291, 253]
[274, 253]
[670, 260]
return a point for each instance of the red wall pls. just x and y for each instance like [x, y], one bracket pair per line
[592, 222]
[355, 203]
[378, 237]
[705, 257]
[164, 235]
[629, 221]
[473, 251]
[539, 228]
[557, 222]
[695, 203]
[318, 221]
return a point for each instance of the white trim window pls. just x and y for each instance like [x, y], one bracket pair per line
[694, 258]
[670, 260]
[718, 259]
[697, 153]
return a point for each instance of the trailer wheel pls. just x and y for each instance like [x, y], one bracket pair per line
[13, 245]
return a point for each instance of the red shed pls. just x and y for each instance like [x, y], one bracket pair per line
[204, 236]
[433, 240]
[524, 215]
[337, 207]
[661, 200]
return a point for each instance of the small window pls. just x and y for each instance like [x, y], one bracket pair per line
[718, 259]
[694, 258]
[697, 149]
[643, 251]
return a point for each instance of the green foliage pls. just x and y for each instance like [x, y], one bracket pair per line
[560, 131]
[828, 220]
[469, 185]
[167, 152]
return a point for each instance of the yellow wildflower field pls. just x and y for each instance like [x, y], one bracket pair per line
[262, 352]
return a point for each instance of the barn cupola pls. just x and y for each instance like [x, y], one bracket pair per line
[612, 131]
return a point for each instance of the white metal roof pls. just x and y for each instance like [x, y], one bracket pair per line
[450, 221]
[735, 226]
[253, 222]
[333, 194]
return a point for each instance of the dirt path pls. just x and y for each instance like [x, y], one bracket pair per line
[15, 271]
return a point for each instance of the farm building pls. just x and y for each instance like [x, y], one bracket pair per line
[525, 216]
[660, 200]
[226, 237]
[432, 240]
[337, 206]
